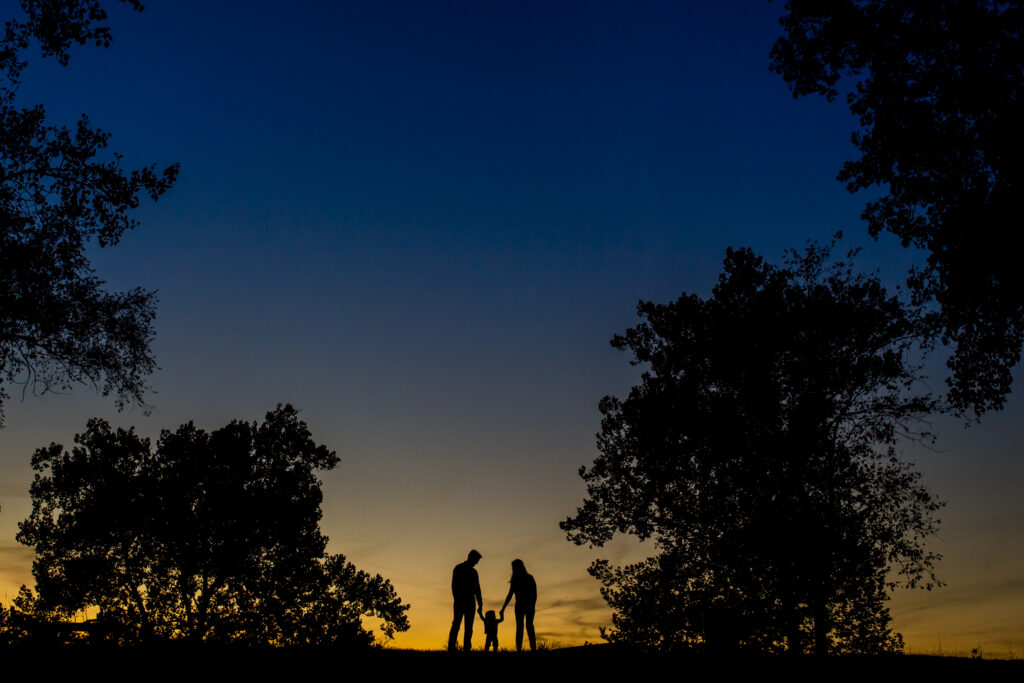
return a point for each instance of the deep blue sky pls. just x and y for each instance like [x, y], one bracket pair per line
[421, 223]
[448, 183]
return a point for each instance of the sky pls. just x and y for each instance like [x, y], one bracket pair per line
[421, 223]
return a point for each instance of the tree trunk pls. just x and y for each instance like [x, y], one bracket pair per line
[820, 625]
[794, 638]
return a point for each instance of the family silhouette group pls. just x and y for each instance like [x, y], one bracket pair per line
[469, 601]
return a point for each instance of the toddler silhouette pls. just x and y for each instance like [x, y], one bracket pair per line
[491, 622]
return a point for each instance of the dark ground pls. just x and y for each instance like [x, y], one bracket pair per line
[588, 663]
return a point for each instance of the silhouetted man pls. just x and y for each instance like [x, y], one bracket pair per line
[466, 592]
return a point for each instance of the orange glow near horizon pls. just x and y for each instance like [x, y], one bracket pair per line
[412, 520]
[953, 620]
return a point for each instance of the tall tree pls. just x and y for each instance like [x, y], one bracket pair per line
[938, 88]
[759, 452]
[211, 536]
[58, 191]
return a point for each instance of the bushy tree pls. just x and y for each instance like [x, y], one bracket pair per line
[759, 452]
[938, 88]
[212, 536]
[59, 190]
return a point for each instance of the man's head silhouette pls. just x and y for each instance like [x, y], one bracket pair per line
[474, 557]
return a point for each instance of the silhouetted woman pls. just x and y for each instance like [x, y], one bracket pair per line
[524, 588]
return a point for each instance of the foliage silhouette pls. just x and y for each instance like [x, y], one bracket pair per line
[210, 537]
[58, 325]
[30, 622]
[759, 452]
[937, 87]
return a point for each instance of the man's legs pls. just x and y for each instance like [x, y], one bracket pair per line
[453, 635]
[468, 643]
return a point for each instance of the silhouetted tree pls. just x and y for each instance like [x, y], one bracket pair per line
[212, 536]
[23, 621]
[59, 191]
[938, 88]
[759, 452]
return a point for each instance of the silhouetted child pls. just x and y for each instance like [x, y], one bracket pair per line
[491, 622]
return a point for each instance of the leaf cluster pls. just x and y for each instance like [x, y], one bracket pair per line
[59, 190]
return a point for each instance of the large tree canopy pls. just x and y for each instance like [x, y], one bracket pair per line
[211, 536]
[937, 86]
[759, 452]
[59, 190]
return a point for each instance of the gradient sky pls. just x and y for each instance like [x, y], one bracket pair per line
[422, 222]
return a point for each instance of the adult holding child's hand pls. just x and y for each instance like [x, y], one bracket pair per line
[524, 588]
